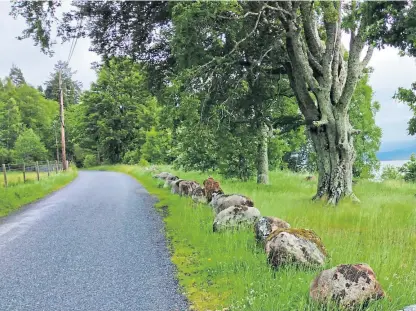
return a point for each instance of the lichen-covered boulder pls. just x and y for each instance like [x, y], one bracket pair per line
[198, 195]
[169, 180]
[266, 225]
[301, 247]
[236, 217]
[162, 175]
[348, 286]
[211, 186]
[225, 201]
[187, 186]
[175, 186]
[215, 197]
[409, 308]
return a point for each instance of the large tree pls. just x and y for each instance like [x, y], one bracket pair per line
[25, 107]
[118, 111]
[71, 88]
[233, 76]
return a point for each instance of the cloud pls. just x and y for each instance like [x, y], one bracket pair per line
[35, 65]
[390, 70]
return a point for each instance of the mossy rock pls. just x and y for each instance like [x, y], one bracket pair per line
[306, 234]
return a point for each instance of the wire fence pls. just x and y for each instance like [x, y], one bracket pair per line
[17, 173]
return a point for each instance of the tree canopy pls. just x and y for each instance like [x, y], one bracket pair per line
[241, 87]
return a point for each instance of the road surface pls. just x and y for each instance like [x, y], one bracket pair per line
[97, 244]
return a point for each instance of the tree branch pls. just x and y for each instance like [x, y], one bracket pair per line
[309, 27]
[239, 42]
[279, 9]
[314, 63]
[354, 68]
[337, 66]
[367, 57]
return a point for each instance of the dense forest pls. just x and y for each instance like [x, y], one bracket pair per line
[237, 87]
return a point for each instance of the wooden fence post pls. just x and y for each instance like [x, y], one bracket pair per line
[24, 172]
[56, 166]
[47, 163]
[5, 175]
[37, 169]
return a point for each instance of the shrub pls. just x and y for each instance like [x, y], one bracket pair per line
[79, 155]
[143, 162]
[90, 160]
[390, 173]
[131, 157]
[409, 169]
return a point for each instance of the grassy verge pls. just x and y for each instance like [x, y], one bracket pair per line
[229, 270]
[19, 194]
[15, 178]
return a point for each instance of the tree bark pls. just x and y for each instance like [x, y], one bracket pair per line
[262, 155]
[333, 143]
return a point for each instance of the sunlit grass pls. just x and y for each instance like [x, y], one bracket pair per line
[19, 193]
[15, 178]
[229, 270]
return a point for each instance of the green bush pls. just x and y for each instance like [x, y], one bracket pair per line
[131, 157]
[390, 173]
[409, 169]
[90, 160]
[143, 162]
[79, 155]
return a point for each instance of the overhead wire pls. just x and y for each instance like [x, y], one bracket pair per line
[74, 42]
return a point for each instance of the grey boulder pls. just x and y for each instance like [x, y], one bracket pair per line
[236, 217]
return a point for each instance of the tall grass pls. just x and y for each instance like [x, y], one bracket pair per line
[14, 178]
[221, 270]
[19, 194]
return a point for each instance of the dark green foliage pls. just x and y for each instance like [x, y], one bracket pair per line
[90, 160]
[408, 97]
[16, 75]
[114, 117]
[409, 169]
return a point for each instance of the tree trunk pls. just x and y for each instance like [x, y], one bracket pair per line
[262, 155]
[333, 144]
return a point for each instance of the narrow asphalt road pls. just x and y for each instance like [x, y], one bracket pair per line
[97, 244]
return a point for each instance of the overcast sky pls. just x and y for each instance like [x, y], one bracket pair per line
[390, 71]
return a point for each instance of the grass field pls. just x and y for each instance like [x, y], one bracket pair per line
[15, 178]
[19, 193]
[229, 270]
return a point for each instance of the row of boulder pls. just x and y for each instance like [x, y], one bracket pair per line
[348, 286]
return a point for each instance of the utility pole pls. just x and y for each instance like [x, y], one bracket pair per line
[62, 122]
[56, 141]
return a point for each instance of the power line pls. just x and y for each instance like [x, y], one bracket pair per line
[74, 42]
